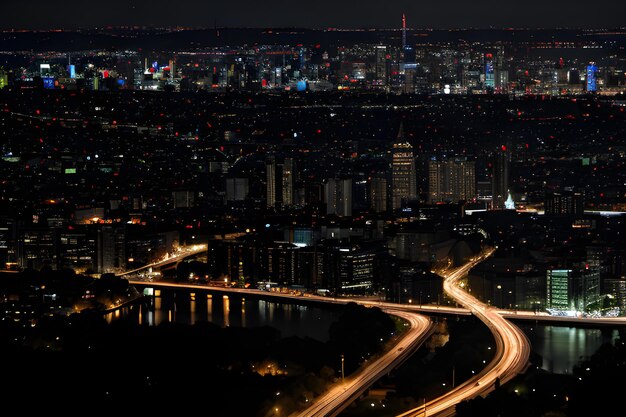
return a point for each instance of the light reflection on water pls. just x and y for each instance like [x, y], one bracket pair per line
[560, 347]
[563, 347]
[230, 310]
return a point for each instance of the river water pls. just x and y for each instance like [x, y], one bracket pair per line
[193, 306]
[561, 347]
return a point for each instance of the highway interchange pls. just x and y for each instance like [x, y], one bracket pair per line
[512, 346]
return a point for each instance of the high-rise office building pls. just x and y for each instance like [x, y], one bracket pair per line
[591, 82]
[274, 178]
[282, 264]
[573, 77]
[576, 289]
[37, 248]
[237, 189]
[281, 178]
[410, 72]
[404, 176]
[502, 81]
[590, 282]
[378, 194]
[490, 78]
[183, 198]
[483, 191]
[360, 192]
[500, 179]
[381, 64]
[288, 183]
[560, 289]
[451, 180]
[339, 197]
[566, 203]
[8, 240]
[110, 249]
[77, 249]
[356, 268]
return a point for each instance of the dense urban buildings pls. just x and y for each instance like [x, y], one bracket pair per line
[339, 163]
[405, 60]
[306, 204]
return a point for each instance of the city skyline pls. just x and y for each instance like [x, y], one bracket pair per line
[369, 14]
[247, 205]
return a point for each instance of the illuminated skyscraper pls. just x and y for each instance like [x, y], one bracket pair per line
[592, 84]
[578, 288]
[274, 190]
[490, 77]
[502, 81]
[381, 64]
[590, 283]
[403, 31]
[500, 179]
[288, 181]
[8, 249]
[172, 67]
[408, 67]
[560, 291]
[404, 177]
[451, 180]
[378, 194]
[339, 197]
[110, 249]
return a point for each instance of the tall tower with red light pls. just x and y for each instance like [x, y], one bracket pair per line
[403, 31]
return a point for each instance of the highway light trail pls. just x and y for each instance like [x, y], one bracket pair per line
[512, 348]
[342, 394]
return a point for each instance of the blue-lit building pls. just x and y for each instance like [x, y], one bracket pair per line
[48, 83]
[490, 78]
[592, 82]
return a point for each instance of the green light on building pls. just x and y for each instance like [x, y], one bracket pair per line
[4, 79]
[559, 289]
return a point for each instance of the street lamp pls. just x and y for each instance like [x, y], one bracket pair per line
[342, 369]
[453, 375]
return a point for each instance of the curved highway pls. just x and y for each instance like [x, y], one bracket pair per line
[343, 393]
[512, 349]
[512, 346]
[177, 256]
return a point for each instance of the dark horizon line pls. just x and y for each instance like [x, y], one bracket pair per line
[182, 28]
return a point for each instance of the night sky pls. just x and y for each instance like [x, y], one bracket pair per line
[43, 14]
